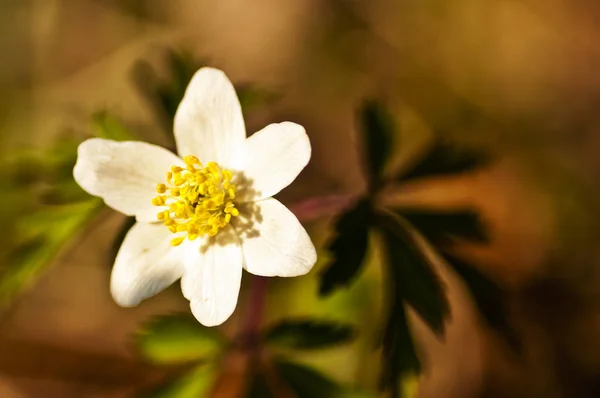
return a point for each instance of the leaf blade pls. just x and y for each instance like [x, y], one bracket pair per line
[349, 248]
[308, 334]
[377, 127]
[177, 338]
[441, 228]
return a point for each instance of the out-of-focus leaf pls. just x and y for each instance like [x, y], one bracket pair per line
[252, 97]
[106, 125]
[440, 228]
[489, 298]
[127, 224]
[306, 382]
[41, 235]
[377, 127]
[309, 334]
[348, 248]
[195, 384]
[445, 158]
[414, 279]
[177, 338]
[259, 388]
[166, 94]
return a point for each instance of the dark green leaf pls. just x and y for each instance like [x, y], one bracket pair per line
[348, 248]
[259, 388]
[489, 298]
[108, 126]
[309, 334]
[195, 384]
[441, 228]
[177, 338]
[306, 382]
[377, 127]
[445, 158]
[415, 280]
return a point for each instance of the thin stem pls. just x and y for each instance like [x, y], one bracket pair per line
[256, 308]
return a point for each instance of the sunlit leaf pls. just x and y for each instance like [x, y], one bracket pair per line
[489, 298]
[177, 338]
[348, 248]
[309, 334]
[377, 129]
[445, 158]
[195, 384]
[41, 236]
[440, 228]
[106, 125]
[306, 382]
[414, 279]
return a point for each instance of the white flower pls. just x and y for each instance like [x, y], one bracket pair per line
[203, 216]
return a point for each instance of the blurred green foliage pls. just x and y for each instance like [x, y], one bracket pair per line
[194, 384]
[178, 338]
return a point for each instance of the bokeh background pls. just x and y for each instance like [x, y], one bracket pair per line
[517, 77]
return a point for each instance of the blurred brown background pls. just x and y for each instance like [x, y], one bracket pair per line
[529, 66]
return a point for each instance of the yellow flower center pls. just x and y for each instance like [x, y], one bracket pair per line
[199, 200]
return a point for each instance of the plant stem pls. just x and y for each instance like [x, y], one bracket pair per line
[256, 307]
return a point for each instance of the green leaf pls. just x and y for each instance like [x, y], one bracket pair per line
[195, 384]
[440, 228]
[445, 158]
[415, 280]
[306, 382]
[106, 125]
[348, 248]
[377, 127]
[308, 334]
[177, 338]
[41, 235]
[259, 388]
[252, 97]
[400, 359]
[489, 298]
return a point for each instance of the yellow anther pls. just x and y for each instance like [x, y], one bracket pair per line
[191, 159]
[158, 201]
[177, 241]
[161, 188]
[199, 199]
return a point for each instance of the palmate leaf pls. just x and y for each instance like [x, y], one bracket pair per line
[176, 339]
[489, 299]
[308, 334]
[377, 129]
[445, 158]
[194, 384]
[412, 275]
[440, 228]
[306, 382]
[348, 248]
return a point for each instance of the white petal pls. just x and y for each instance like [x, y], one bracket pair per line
[212, 281]
[272, 158]
[209, 122]
[124, 174]
[280, 245]
[145, 265]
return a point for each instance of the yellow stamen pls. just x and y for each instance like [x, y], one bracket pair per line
[196, 200]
